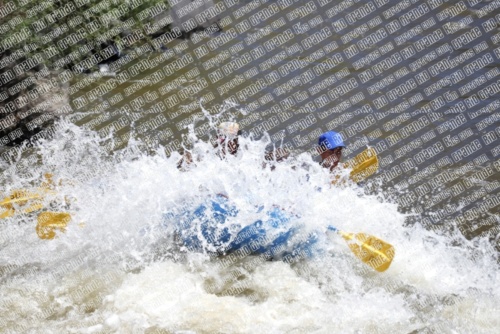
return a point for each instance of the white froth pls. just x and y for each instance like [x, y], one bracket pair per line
[115, 271]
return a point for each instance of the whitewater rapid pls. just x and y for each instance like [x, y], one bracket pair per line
[114, 270]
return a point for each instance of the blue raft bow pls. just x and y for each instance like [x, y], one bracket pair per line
[205, 230]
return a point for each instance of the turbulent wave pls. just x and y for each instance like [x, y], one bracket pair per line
[117, 270]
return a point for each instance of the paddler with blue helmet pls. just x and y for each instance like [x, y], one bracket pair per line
[330, 146]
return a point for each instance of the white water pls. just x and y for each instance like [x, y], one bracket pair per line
[108, 275]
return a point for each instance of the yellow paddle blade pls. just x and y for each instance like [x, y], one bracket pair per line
[49, 222]
[376, 253]
[9, 212]
[21, 197]
[363, 165]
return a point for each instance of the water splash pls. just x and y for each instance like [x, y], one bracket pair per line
[105, 274]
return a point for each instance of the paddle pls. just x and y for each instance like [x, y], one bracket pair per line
[49, 222]
[371, 250]
[363, 165]
[20, 197]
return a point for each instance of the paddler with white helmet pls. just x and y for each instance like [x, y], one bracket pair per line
[227, 136]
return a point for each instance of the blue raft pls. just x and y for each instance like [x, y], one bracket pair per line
[205, 229]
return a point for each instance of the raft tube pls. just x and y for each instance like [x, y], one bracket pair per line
[277, 237]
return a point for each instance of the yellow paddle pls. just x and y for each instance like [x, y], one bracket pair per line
[363, 165]
[49, 222]
[20, 197]
[371, 250]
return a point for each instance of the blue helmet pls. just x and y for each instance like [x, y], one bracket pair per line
[330, 140]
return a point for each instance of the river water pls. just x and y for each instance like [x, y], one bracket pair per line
[114, 270]
[435, 196]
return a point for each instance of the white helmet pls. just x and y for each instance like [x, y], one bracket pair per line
[229, 129]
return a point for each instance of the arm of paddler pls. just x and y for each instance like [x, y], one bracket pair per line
[185, 161]
[277, 155]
